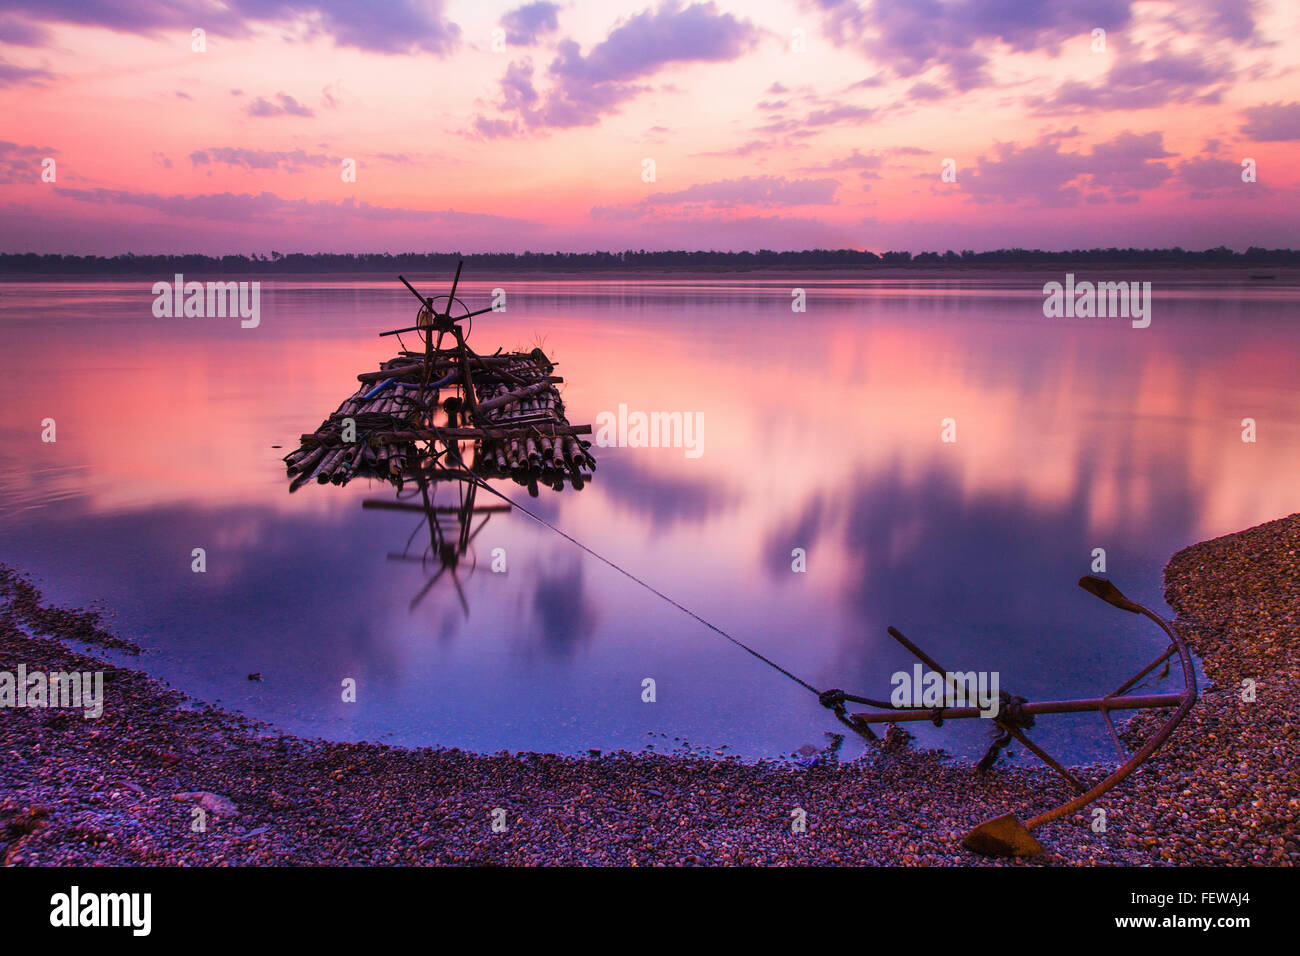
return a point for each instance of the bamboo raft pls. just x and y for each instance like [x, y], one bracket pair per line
[504, 417]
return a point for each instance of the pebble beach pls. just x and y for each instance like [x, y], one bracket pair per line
[123, 789]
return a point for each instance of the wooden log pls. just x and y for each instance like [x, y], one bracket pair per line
[509, 397]
[304, 462]
[444, 363]
[443, 434]
[351, 461]
[496, 369]
[385, 505]
[327, 466]
[504, 358]
[413, 370]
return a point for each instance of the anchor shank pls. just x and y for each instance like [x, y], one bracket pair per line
[1085, 705]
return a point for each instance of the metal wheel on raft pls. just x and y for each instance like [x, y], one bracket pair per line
[430, 318]
[426, 320]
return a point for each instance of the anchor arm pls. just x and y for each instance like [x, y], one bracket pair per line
[1112, 595]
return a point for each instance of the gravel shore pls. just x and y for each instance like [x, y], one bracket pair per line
[123, 789]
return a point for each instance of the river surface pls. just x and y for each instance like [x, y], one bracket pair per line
[822, 431]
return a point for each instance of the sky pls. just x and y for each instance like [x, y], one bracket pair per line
[326, 126]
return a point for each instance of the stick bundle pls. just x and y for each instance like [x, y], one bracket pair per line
[394, 427]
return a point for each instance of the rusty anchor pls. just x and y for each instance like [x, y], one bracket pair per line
[1006, 835]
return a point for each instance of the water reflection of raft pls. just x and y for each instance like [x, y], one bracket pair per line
[504, 417]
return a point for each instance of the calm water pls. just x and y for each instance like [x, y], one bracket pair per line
[821, 431]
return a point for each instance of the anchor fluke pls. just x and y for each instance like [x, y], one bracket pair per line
[1108, 593]
[1002, 836]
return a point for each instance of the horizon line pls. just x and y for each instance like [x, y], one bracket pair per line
[891, 256]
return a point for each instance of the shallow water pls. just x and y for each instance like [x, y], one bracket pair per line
[821, 431]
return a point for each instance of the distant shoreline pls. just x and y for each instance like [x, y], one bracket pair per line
[850, 263]
[1251, 275]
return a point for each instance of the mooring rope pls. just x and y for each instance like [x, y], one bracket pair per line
[649, 587]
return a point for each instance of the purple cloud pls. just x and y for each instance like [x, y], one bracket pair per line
[1204, 173]
[780, 124]
[647, 42]
[1168, 77]
[495, 128]
[1040, 172]
[525, 24]
[269, 208]
[866, 165]
[221, 223]
[1230, 19]
[13, 75]
[1123, 166]
[763, 191]
[925, 92]
[870, 83]
[403, 26]
[16, 32]
[22, 164]
[284, 105]
[822, 111]
[839, 114]
[584, 88]
[517, 92]
[259, 158]
[1127, 162]
[744, 149]
[911, 36]
[1272, 122]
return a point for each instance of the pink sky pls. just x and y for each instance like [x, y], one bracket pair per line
[786, 125]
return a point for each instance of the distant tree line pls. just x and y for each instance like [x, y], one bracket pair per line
[383, 262]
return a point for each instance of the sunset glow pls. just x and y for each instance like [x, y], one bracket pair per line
[780, 125]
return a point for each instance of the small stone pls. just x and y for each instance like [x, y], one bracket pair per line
[214, 803]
